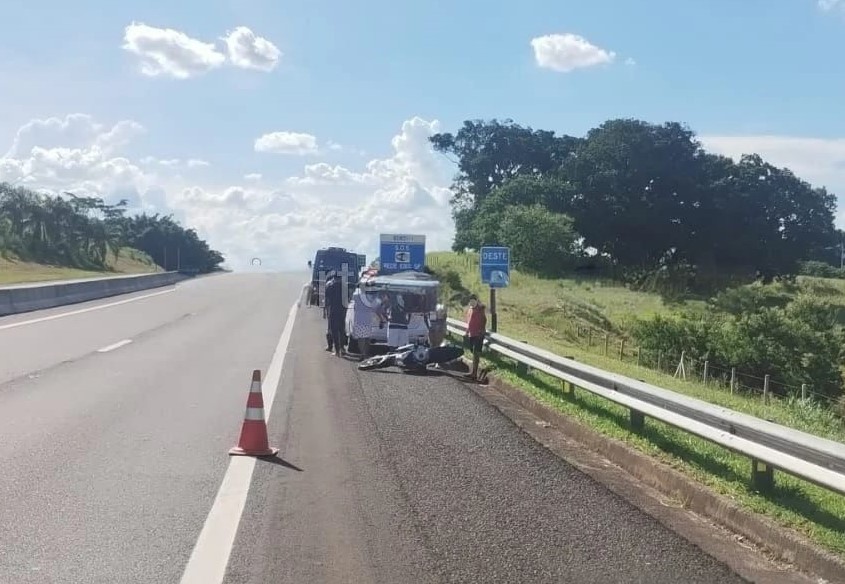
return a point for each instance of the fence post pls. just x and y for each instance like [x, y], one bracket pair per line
[733, 379]
[659, 357]
[762, 476]
[589, 337]
[638, 356]
[622, 349]
[766, 388]
[606, 341]
[706, 370]
[803, 392]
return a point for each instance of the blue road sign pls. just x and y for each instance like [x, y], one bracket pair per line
[401, 253]
[496, 266]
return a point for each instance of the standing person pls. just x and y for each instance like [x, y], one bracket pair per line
[328, 295]
[476, 322]
[336, 313]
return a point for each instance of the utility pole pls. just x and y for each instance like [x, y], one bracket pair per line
[178, 258]
[165, 258]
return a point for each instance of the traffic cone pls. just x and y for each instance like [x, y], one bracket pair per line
[253, 440]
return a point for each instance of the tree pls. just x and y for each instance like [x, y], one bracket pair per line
[82, 231]
[490, 153]
[540, 241]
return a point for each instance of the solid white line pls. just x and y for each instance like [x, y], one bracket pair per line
[84, 310]
[117, 345]
[208, 561]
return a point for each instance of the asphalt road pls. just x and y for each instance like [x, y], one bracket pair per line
[112, 460]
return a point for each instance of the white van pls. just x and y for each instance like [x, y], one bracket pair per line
[393, 310]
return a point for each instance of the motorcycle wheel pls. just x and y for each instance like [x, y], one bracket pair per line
[377, 362]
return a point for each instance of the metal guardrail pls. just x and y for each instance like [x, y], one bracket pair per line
[767, 444]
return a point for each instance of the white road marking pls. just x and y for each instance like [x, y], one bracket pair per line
[117, 345]
[208, 561]
[84, 310]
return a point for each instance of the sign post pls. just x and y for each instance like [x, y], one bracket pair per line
[401, 253]
[495, 272]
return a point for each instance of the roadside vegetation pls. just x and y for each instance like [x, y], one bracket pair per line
[128, 261]
[71, 236]
[635, 250]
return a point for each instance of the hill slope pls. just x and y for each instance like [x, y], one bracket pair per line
[129, 261]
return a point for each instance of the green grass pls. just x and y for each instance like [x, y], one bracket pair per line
[549, 313]
[129, 261]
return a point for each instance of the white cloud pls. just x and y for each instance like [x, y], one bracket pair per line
[334, 145]
[253, 177]
[821, 162]
[828, 5]
[334, 205]
[287, 143]
[169, 52]
[76, 154]
[282, 223]
[175, 163]
[251, 52]
[567, 52]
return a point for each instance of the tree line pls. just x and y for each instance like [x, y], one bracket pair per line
[84, 232]
[633, 197]
[648, 205]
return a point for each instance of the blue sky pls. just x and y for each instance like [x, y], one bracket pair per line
[750, 75]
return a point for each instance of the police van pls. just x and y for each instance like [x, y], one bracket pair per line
[333, 259]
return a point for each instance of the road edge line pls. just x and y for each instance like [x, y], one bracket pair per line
[210, 557]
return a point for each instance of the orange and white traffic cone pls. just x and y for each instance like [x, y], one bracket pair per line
[253, 440]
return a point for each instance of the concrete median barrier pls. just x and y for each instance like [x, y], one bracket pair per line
[26, 298]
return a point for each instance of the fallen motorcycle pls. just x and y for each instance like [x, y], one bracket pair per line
[413, 358]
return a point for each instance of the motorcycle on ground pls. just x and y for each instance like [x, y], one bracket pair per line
[413, 358]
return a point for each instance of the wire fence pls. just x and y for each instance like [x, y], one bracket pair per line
[681, 366]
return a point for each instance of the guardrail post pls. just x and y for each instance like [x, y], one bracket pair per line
[637, 420]
[590, 337]
[638, 356]
[762, 476]
[706, 370]
[567, 388]
[803, 392]
[622, 349]
[659, 358]
[766, 388]
[606, 341]
[733, 379]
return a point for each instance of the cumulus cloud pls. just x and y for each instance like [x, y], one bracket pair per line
[75, 153]
[567, 52]
[287, 143]
[282, 222]
[821, 162]
[334, 205]
[169, 52]
[248, 51]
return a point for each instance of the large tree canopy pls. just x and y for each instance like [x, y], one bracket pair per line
[81, 231]
[643, 195]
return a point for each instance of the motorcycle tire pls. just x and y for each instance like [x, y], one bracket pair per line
[377, 362]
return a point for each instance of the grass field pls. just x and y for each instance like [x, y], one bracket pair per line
[548, 314]
[129, 261]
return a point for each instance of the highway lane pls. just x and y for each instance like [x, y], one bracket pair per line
[403, 478]
[111, 460]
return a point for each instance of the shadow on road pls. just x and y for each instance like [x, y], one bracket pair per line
[279, 461]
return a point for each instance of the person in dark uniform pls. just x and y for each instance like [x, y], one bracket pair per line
[336, 312]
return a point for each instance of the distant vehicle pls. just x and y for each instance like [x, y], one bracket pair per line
[332, 259]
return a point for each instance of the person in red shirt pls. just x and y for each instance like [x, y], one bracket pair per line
[476, 321]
